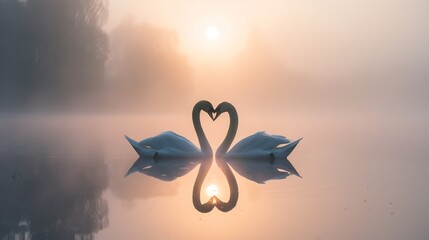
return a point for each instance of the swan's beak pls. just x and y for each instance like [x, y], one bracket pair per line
[217, 114]
[211, 113]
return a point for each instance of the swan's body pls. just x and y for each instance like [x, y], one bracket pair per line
[168, 155]
[167, 145]
[258, 157]
[258, 141]
[178, 158]
[264, 163]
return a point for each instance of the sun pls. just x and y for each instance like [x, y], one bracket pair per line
[212, 190]
[212, 34]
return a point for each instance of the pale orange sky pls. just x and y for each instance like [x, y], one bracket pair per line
[311, 36]
[357, 50]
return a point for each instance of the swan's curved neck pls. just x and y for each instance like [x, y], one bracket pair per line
[205, 163]
[196, 192]
[204, 143]
[220, 153]
[232, 130]
[233, 188]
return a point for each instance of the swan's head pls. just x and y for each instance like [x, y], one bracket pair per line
[207, 107]
[211, 113]
[221, 108]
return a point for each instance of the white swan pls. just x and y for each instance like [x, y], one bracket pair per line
[168, 155]
[259, 157]
[220, 160]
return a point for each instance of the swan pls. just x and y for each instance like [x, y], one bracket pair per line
[168, 155]
[258, 157]
[206, 162]
[222, 164]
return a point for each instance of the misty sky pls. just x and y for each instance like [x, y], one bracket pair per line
[351, 53]
[308, 56]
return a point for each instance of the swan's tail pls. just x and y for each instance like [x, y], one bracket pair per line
[146, 157]
[282, 160]
[286, 150]
[141, 151]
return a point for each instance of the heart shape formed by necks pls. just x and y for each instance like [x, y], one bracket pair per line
[206, 163]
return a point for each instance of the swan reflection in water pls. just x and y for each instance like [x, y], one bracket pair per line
[259, 157]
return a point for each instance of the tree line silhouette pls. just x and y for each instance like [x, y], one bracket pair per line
[51, 51]
[55, 55]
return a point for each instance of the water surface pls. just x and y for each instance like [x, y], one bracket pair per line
[364, 177]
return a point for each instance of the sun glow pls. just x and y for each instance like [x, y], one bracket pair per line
[212, 33]
[208, 38]
[212, 190]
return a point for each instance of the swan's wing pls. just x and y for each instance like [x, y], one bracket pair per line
[169, 140]
[259, 140]
[165, 145]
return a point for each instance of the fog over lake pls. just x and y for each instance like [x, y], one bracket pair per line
[350, 78]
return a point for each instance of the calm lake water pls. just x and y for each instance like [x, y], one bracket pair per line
[364, 177]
